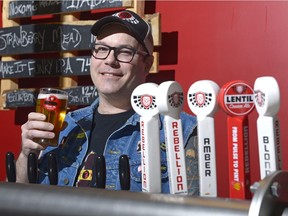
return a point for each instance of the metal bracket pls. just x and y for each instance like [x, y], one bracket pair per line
[271, 195]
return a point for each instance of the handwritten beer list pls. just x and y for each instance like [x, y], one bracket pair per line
[77, 96]
[27, 39]
[71, 66]
[20, 98]
[81, 95]
[28, 8]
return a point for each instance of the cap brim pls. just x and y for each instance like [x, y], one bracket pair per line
[98, 26]
[107, 20]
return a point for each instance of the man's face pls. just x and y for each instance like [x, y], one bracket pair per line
[113, 78]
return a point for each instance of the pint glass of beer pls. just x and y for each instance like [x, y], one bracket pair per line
[52, 103]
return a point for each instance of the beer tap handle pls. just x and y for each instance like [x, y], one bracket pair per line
[170, 101]
[202, 101]
[144, 103]
[124, 172]
[52, 169]
[100, 171]
[10, 167]
[32, 168]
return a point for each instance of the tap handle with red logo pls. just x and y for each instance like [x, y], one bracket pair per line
[237, 99]
[143, 101]
[52, 168]
[202, 101]
[100, 171]
[10, 167]
[32, 168]
[170, 104]
[267, 103]
[124, 172]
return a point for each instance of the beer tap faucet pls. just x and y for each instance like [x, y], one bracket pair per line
[10, 167]
[52, 169]
[100, 171]
[32, 168]
[124, 172]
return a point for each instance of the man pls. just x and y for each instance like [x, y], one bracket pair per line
[121, 59]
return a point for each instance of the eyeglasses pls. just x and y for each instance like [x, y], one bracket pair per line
[121, 54]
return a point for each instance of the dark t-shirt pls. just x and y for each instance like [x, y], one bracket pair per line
[103, 126]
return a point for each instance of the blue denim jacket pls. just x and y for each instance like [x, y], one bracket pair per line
[74, 141]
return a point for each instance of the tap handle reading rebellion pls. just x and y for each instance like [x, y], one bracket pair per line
[143, 100]
[170, 103]
[236, 99]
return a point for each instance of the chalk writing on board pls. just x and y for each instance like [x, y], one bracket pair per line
[77, 96]
[81, 95]
[71, 66]
[19, 9]
[20, 98]
[44, 38]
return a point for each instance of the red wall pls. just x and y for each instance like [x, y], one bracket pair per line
[219, 41]
[10, 137]
[224, 41]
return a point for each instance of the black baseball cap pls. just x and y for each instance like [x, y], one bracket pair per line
[139, 28]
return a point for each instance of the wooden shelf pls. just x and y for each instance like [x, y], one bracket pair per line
[46, 39]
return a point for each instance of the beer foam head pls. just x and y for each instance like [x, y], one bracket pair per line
[59, 96]
[45, 92]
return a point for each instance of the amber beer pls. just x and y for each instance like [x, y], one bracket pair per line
[52, 103]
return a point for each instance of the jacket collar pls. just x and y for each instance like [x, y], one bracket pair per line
[87, 112]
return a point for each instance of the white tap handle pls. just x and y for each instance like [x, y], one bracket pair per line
[202, 98]
[170, 103]
[143, 100]
[170, 99]
[202, 101]
[267, 103]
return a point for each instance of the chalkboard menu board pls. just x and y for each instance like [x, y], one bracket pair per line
[26, 39]
[20, 98]
[18, 9]
[70, 66]
[81, 95]
[77, 96]
[69, 37]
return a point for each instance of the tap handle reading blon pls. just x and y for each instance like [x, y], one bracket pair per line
[124, 172]
[52, 169]
[100, 171]
[32, 168]
[267, 103]
[10, 167]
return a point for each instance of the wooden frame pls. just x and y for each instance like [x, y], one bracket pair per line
[68, 19]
